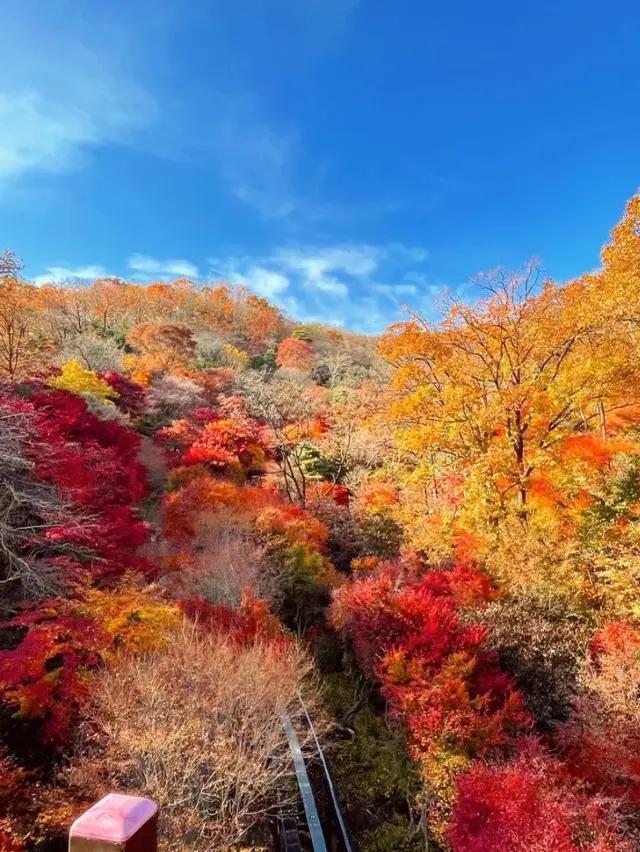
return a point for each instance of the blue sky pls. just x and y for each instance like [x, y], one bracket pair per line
[341, 157]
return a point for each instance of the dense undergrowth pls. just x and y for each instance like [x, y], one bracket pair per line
[207, 510]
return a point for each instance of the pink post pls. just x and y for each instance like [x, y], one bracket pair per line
[116, 824]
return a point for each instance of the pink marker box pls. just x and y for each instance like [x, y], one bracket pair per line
[116, 823]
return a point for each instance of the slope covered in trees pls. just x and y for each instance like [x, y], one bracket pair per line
[433, 535]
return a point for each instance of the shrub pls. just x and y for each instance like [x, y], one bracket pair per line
[198, 729]
[378, 784]
[529, 806]
[75, 379]
[234, 357]
[295, 354]
[225, 559]
[448, 693]
[94, 352]
[601, 741]
[379, 535]
[130, 398]
[304, 587]
[541, 644]
[26, 506]
[174, 396]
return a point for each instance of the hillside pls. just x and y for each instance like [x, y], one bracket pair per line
[433, 536]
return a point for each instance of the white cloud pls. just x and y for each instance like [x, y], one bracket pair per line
[149, 268]
[262, 281]
[255, 159]
[60, 274]
[417, 254]
[326, 269]
[78, 76]
[65, 88]
[356, 284]
[393, 291]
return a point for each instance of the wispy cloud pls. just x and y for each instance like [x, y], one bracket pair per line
[395, 291]
[255, 145]
[149, 268]
[65, 88]
[266, 166]
[329, 270]
[62, 274]
[417, 254]
[256, 158]
[358, 285]
[265, 282]
[76, 77]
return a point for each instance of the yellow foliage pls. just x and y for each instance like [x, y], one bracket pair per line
[235, 357]
[75, 379]
[135, 617]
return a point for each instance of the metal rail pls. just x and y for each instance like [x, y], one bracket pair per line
[332, 791]
[308, 800]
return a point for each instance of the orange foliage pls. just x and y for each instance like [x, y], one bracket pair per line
[365, 564]
[340, 494]
[594, 450]
[293, 524]
[378, 497]
[163, 347]
[201, 494]
[296, 354]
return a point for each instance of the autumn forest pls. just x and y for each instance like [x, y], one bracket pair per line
[208, 510]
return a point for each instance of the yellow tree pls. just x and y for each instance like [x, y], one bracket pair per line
[621, 261]
[494, 388]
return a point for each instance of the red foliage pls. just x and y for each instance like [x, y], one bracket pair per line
[44, 678]
[251, 623]
[470, 586]
[93, 464]
[94, 536]
[340, 494]
[448, 692]
[380, 615]
[91, 461]
[224, 444]
[529, 806]
[594, 450]
[131, 396]
[616, 638]
[601, 741]
[8, 840]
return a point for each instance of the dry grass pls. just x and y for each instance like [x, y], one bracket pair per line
[198, 729]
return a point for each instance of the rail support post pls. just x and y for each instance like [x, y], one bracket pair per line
[116, 824]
